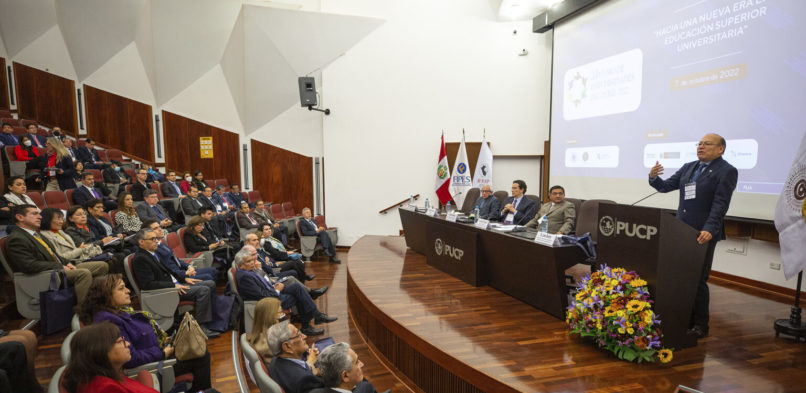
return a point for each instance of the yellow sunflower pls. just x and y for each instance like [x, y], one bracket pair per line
[665, 355]
[635, 305]
[637, 283]
[609, 312]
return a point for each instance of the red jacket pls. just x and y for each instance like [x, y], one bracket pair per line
[22, 155]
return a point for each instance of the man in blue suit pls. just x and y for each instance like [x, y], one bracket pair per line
[181, 270]
[489, 206]
[86, 190]
[252, 286]
[518, 209]
[706, 187]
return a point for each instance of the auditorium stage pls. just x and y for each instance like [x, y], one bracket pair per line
[447, 336]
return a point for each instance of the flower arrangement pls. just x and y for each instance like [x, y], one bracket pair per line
[613, 307]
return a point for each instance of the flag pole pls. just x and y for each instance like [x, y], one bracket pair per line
[793, 326]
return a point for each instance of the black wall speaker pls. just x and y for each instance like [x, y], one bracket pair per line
[307, 91]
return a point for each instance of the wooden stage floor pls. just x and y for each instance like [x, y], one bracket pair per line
[447, 336]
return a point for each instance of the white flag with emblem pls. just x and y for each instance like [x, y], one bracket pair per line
[461, 181]
[484, 166]
[790, 216]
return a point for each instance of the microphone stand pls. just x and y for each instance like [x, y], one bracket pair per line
[792, 326]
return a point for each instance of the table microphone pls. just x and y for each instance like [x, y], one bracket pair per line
[634, 203]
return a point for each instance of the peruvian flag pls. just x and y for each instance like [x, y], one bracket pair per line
[443, 175]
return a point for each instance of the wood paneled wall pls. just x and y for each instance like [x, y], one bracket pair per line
[46, 98]
[282, 176]
[119, 122]
[3, 85]
[182, 152]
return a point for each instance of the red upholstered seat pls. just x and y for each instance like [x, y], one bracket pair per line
[56, 199]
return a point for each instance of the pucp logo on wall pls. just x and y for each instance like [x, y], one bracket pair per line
[609, 226]
[440, 247]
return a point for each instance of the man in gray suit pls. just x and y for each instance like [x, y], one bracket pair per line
[560, 213]
[488, 205]
[152, 210]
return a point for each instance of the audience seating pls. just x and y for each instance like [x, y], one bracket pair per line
[470, 200]
[264, 381]
[332, 232]
[96, 174]
[288, 211]
[42, 132]
[200, 260]
[36, 196]
[8, 119]
[20, 131]
[130, 172]
[277, 211]
[26, 286]
[220, 182]
[205, 256]
[161, 303]
[248, 305]
[577, 205]
[250, 356]
[501, 195]
[536, 200]
[56, 199]
[69, 194]
[253, 196]
[25, 123]
[308, 245]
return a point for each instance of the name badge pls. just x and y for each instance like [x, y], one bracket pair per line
[52, 173]
[431, 212]
[690, 191]
[410, 208]
[482, 223]
[547, 239]
[451, 217]
[510, 218]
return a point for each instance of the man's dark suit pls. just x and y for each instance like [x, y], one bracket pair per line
[90, 158]
[253, 287]
[137, 191]
[8, 139]
[113, 177]
[309, 227]
[524, 212]
[171, 190]
[292, 377]
[146, 211]
[81, 195]
[705, 212]
[489, 208]
[151, 274]
[179, 268]
[191, 206]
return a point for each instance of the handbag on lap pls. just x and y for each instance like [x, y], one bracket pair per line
[190, 341]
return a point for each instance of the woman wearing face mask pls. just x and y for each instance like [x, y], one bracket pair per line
[25, 151]
[187, 181]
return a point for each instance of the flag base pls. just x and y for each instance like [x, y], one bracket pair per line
[792, 326]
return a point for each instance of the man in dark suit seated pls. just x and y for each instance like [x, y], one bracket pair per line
[140, 186]
[559, 213]
[86, 191]
[488, 205]
[222, 214]
[169, 188]
[30, 253]
[309, 228]
[151, 274]
[237, 197]
[192, 203]
[151, 209]
[116, 178]
[68, 144]
[253, 286]
[246, 220]
[518, 209]
[340, 369]
[90, 157]
[7, 137]
[35, 139]
[288, 368]
[181, 270]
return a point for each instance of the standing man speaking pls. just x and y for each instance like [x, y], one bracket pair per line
[705, 186]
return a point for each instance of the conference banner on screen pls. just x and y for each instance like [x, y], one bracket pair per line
[637, 82]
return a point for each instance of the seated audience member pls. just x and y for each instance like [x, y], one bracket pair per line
[268, 312]
[68, 145]
[181, 270]
[140, 185]
[86, 191]
[309, 228]
[152, 175]
[89, 155]
[518, 209]
[195, 239]
[115, 178]
[253, 286]
[287, 368]
[488, 205]
[25, 151]
[187, 181]
[97, 355]
[21, 372]
[30, 253]
[559, 213]
[169, 188]
[101, 227]
[85, 256]
[7, 137]
[268, 266]
[56, 166]
[198, 180]
[80, 232]
[33, 136]
[220, 198]
[236, 197]
[341, 371]
[278, 253]
[245, 218]
[16, 192]
[222, 215]
[151, 209]
[151, 274]
[78, 172]
[127, 220]
[264, 215]
[191, 204]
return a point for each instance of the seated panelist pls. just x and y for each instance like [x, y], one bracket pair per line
[518, 209]
[560, 213]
